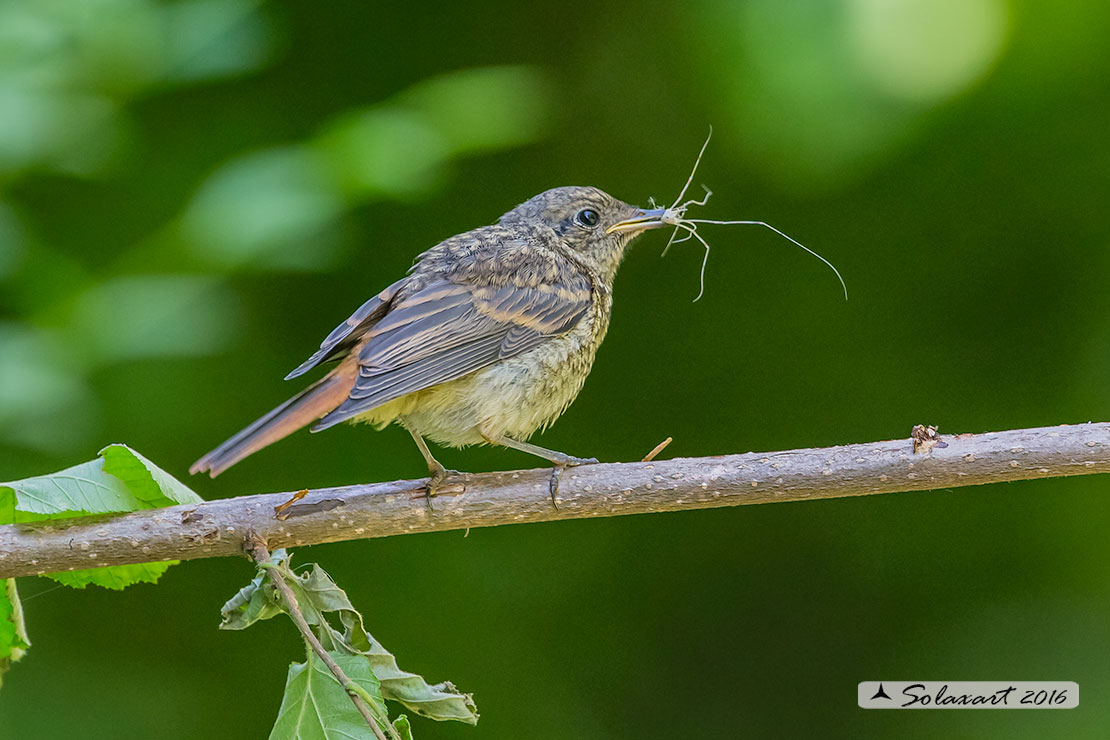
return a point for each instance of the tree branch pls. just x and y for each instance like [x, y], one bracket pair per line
[219, 528]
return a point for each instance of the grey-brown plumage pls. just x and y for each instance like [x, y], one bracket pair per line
[488, 339]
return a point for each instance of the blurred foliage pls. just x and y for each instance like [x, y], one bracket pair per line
[277, 208]
[68, 70]
[829, 89]
[193, 193]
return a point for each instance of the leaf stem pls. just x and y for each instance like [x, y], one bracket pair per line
[261, 555]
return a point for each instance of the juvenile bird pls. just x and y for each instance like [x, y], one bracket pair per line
[488, 339]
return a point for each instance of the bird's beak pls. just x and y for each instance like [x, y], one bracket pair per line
[641, 219]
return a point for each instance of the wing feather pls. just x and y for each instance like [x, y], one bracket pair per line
[347, 334]
[408, 334]
[372, 389]
[448, 330]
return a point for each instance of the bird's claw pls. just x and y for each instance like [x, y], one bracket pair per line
[435, 487]
[557, 474]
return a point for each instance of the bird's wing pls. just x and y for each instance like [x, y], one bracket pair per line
[346, 335]
[447, 330]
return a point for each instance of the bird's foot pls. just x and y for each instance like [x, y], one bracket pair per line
[573, 462]
[564, 462]
[437, 484]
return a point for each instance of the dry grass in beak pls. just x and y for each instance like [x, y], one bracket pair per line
[675, 215]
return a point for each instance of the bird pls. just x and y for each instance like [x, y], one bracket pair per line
[487, 339]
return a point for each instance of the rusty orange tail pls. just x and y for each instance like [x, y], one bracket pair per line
[302, 409]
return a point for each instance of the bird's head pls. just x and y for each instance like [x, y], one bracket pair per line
[591, 222]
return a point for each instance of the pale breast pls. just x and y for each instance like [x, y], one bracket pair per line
[515, 397]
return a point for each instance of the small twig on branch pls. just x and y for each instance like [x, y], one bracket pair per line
[218, 528]
[261, 555]
[657, 449]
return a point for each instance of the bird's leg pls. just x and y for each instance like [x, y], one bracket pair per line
[435, 468]
[560, 460]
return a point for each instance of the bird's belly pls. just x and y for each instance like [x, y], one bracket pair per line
[513, 397]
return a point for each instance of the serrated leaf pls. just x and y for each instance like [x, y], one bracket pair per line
[440, 701]
[146, 481]
[115, 577]
[119, 481]
[82, 489]
[13, 632]
[317, 707]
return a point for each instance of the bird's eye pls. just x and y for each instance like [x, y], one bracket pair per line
[587, 218]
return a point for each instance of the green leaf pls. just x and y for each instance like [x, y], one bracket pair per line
[116, 577]
[13, 632]
[318, 595]
[146, 481]
[82, 489]
[440, 701]
[317, 707]
[402, 727]
[120, 480]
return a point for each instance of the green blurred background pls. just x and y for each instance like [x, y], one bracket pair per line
[193, 194]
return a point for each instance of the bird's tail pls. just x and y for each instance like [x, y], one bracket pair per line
[300, 410]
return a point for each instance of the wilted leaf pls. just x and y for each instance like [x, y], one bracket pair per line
[440, 701]
[253, 602]
[317, 595]
[403, 728]
[317, 707]
[325, 594]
